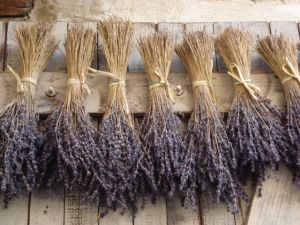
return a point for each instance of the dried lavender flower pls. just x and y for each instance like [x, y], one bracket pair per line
[20, 139]
[210, 160]
[160, 128]
[118, 138]
[70, 154]
[253, 124]
[280, 52]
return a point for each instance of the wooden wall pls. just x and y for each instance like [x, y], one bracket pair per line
[280, 203]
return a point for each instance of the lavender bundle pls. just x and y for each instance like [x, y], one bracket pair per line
[118, 138]
[281, 55]
[70, 153]
[210, 155]
[20, 138]
[253, 124]
[160, 126]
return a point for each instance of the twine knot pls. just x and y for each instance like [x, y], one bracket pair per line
[199, 83]
[290, 71]
[83, 84]
[162, 82]
[20, 82]
[236, 73]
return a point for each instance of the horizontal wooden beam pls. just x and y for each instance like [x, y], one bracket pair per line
[137, 91]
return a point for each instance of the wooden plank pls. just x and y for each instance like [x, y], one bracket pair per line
[280, 201]
[219, 27]
[215, 213]
[258, 30]
[12, 52]
[176, 31]
[288, 28]
[57, 61]
[78, 212]
[15, 7]
[135, 61]
[152, 214]
[115, 218]
[2, 43]
[208, 27]
[137, 91]
[17, 211]
[47, 207]
[178, 215]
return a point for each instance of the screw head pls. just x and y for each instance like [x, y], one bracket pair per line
[178, 90]
[51, 92]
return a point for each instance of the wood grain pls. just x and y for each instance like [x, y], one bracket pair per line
[17, 211]
[47, 207]
[152, 214]
[15, 7]
[115, 218]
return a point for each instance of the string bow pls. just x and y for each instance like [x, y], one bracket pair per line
[236, 73]
[163, 82]
[290, 71]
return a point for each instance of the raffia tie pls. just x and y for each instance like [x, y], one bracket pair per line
[290, 71]
[20, 82]
[162, 82]
[114, 80]
[236, 73]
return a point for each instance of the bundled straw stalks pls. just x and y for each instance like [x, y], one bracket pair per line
[211, 158]
[280, 52]
[118, 138]
[160, 128]
[70, 153]
[253, 124]
[20, 138]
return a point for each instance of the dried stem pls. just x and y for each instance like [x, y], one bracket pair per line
[20, 139]
[117, 137]
[253, 124]
[211, 160]
[160, 125]
[70, 153]
[280, 52]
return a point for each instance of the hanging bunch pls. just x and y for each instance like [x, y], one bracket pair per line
[210, 155]
[160, 126]
[70, 154]
[281, 55]
[19, 136]
[253, 125]
[118, 138]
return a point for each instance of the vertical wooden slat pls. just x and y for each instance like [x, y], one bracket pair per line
[219, 27]
[176, 30]
[208, 27]
[280, 202]
[115, 218]
[178, 215]
[17, 211]
[152, 214]
[47, 207]
[258, 30]
[2, 43]
[135, 61]
[57, 61]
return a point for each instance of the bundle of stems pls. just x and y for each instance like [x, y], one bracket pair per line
[254, 126]
[118, 138]
[70, 154]
[160, 128]
[20, 138]
[210, 155]
[280, 52]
